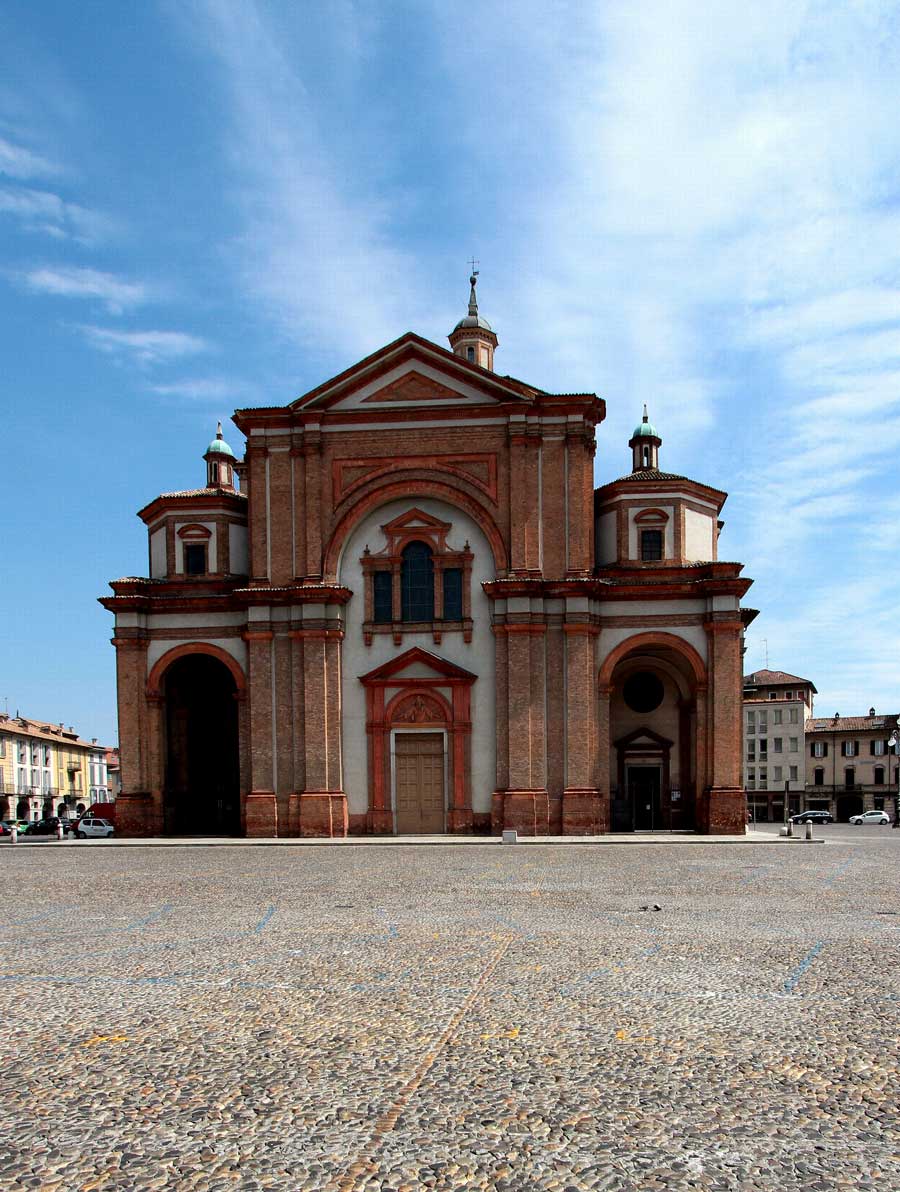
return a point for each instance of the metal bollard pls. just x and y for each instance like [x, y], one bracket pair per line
[60, 834]
[790, 828]
[14, 834]
[808, 830]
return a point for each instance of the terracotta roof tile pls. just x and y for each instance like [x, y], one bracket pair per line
[763, 678]
[852, 724]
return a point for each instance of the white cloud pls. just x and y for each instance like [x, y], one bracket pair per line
[74, 282]
[45, 212]
[18, 162]
[212, 389]
[320, 258]
[146, 347]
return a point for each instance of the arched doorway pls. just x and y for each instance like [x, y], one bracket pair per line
[653, 736]
[848, 805]
[201, 793]
[23, 810]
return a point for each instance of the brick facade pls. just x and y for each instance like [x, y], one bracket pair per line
[527, 682]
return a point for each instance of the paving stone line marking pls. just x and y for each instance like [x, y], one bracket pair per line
[791, 983]
[357, 1174]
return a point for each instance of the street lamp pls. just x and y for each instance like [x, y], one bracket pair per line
[893, 742]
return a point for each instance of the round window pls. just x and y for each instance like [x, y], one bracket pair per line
[643, 692]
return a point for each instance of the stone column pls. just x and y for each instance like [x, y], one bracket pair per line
[135, 811]
[581, 804]
[280, 516]
[257, 529]
[518, 485]
[312, 459]
[322, 803]
[285, 782]
[525, 800]
[725, 810]
[261, 812]
[459, 736]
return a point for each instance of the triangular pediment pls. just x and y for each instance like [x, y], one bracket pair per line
[413, 386]
[412, 373]
[415, 519]
[413, 660]
[643, 737]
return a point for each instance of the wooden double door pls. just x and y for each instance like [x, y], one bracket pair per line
[419, 784]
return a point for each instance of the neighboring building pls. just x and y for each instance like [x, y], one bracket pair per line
[46, 769]
[850, 766]
[421, 617]
[113, 774]
[777, 707]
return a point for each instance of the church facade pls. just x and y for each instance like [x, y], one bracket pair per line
[407, 610]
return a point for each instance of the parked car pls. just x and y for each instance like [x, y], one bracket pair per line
[90, 825]
[871, 817]
[813, 817]
[45, 827]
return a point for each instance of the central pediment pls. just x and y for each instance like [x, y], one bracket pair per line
[413, 387]
[413, 373]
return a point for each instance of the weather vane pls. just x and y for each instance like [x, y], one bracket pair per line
[473, 263]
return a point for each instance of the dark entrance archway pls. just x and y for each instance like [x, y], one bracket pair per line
[202, 779]
[848, 805]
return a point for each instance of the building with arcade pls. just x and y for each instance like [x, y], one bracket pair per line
[406, 609]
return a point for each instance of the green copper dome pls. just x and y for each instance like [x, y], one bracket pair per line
[218, 446]
[645, 429]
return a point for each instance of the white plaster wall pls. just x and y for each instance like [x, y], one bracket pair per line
[668, 532]
[606, 538]
[655, 608]
[699, 529]
[158, 553]
[186, 620]
[237, 544]
[235, 646]
[476, 656]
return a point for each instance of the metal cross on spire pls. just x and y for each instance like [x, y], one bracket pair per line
[474, 263]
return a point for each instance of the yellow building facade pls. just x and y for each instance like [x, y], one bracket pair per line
[47, 769]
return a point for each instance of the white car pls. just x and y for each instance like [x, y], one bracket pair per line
[871, 817]
[89, 825]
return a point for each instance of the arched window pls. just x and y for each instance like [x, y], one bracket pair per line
[417, 583]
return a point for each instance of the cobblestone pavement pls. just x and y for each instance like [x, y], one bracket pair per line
[385, 1018]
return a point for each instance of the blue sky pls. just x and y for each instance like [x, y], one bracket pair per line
[696, 205]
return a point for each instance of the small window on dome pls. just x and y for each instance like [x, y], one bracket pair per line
[195, 559]
[470, 355]
[651, 546]
[646, 457]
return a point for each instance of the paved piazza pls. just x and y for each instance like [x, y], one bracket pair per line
[466, 1016]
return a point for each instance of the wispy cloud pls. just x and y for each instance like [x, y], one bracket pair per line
[45, 212]
[211, 389]
[146, 347]
[116, 295]
[17, 161]
[316, 251]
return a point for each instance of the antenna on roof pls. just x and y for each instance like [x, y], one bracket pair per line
[765, 642]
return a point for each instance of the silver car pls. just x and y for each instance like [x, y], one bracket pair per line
[91, 826]
[871, 817]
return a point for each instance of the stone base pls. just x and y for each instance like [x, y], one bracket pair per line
[459, 820]
[722, 812]
[380, 823]
[322, 813]
[136, 815]
[261, 814]
[584, 812]
[528, 811]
